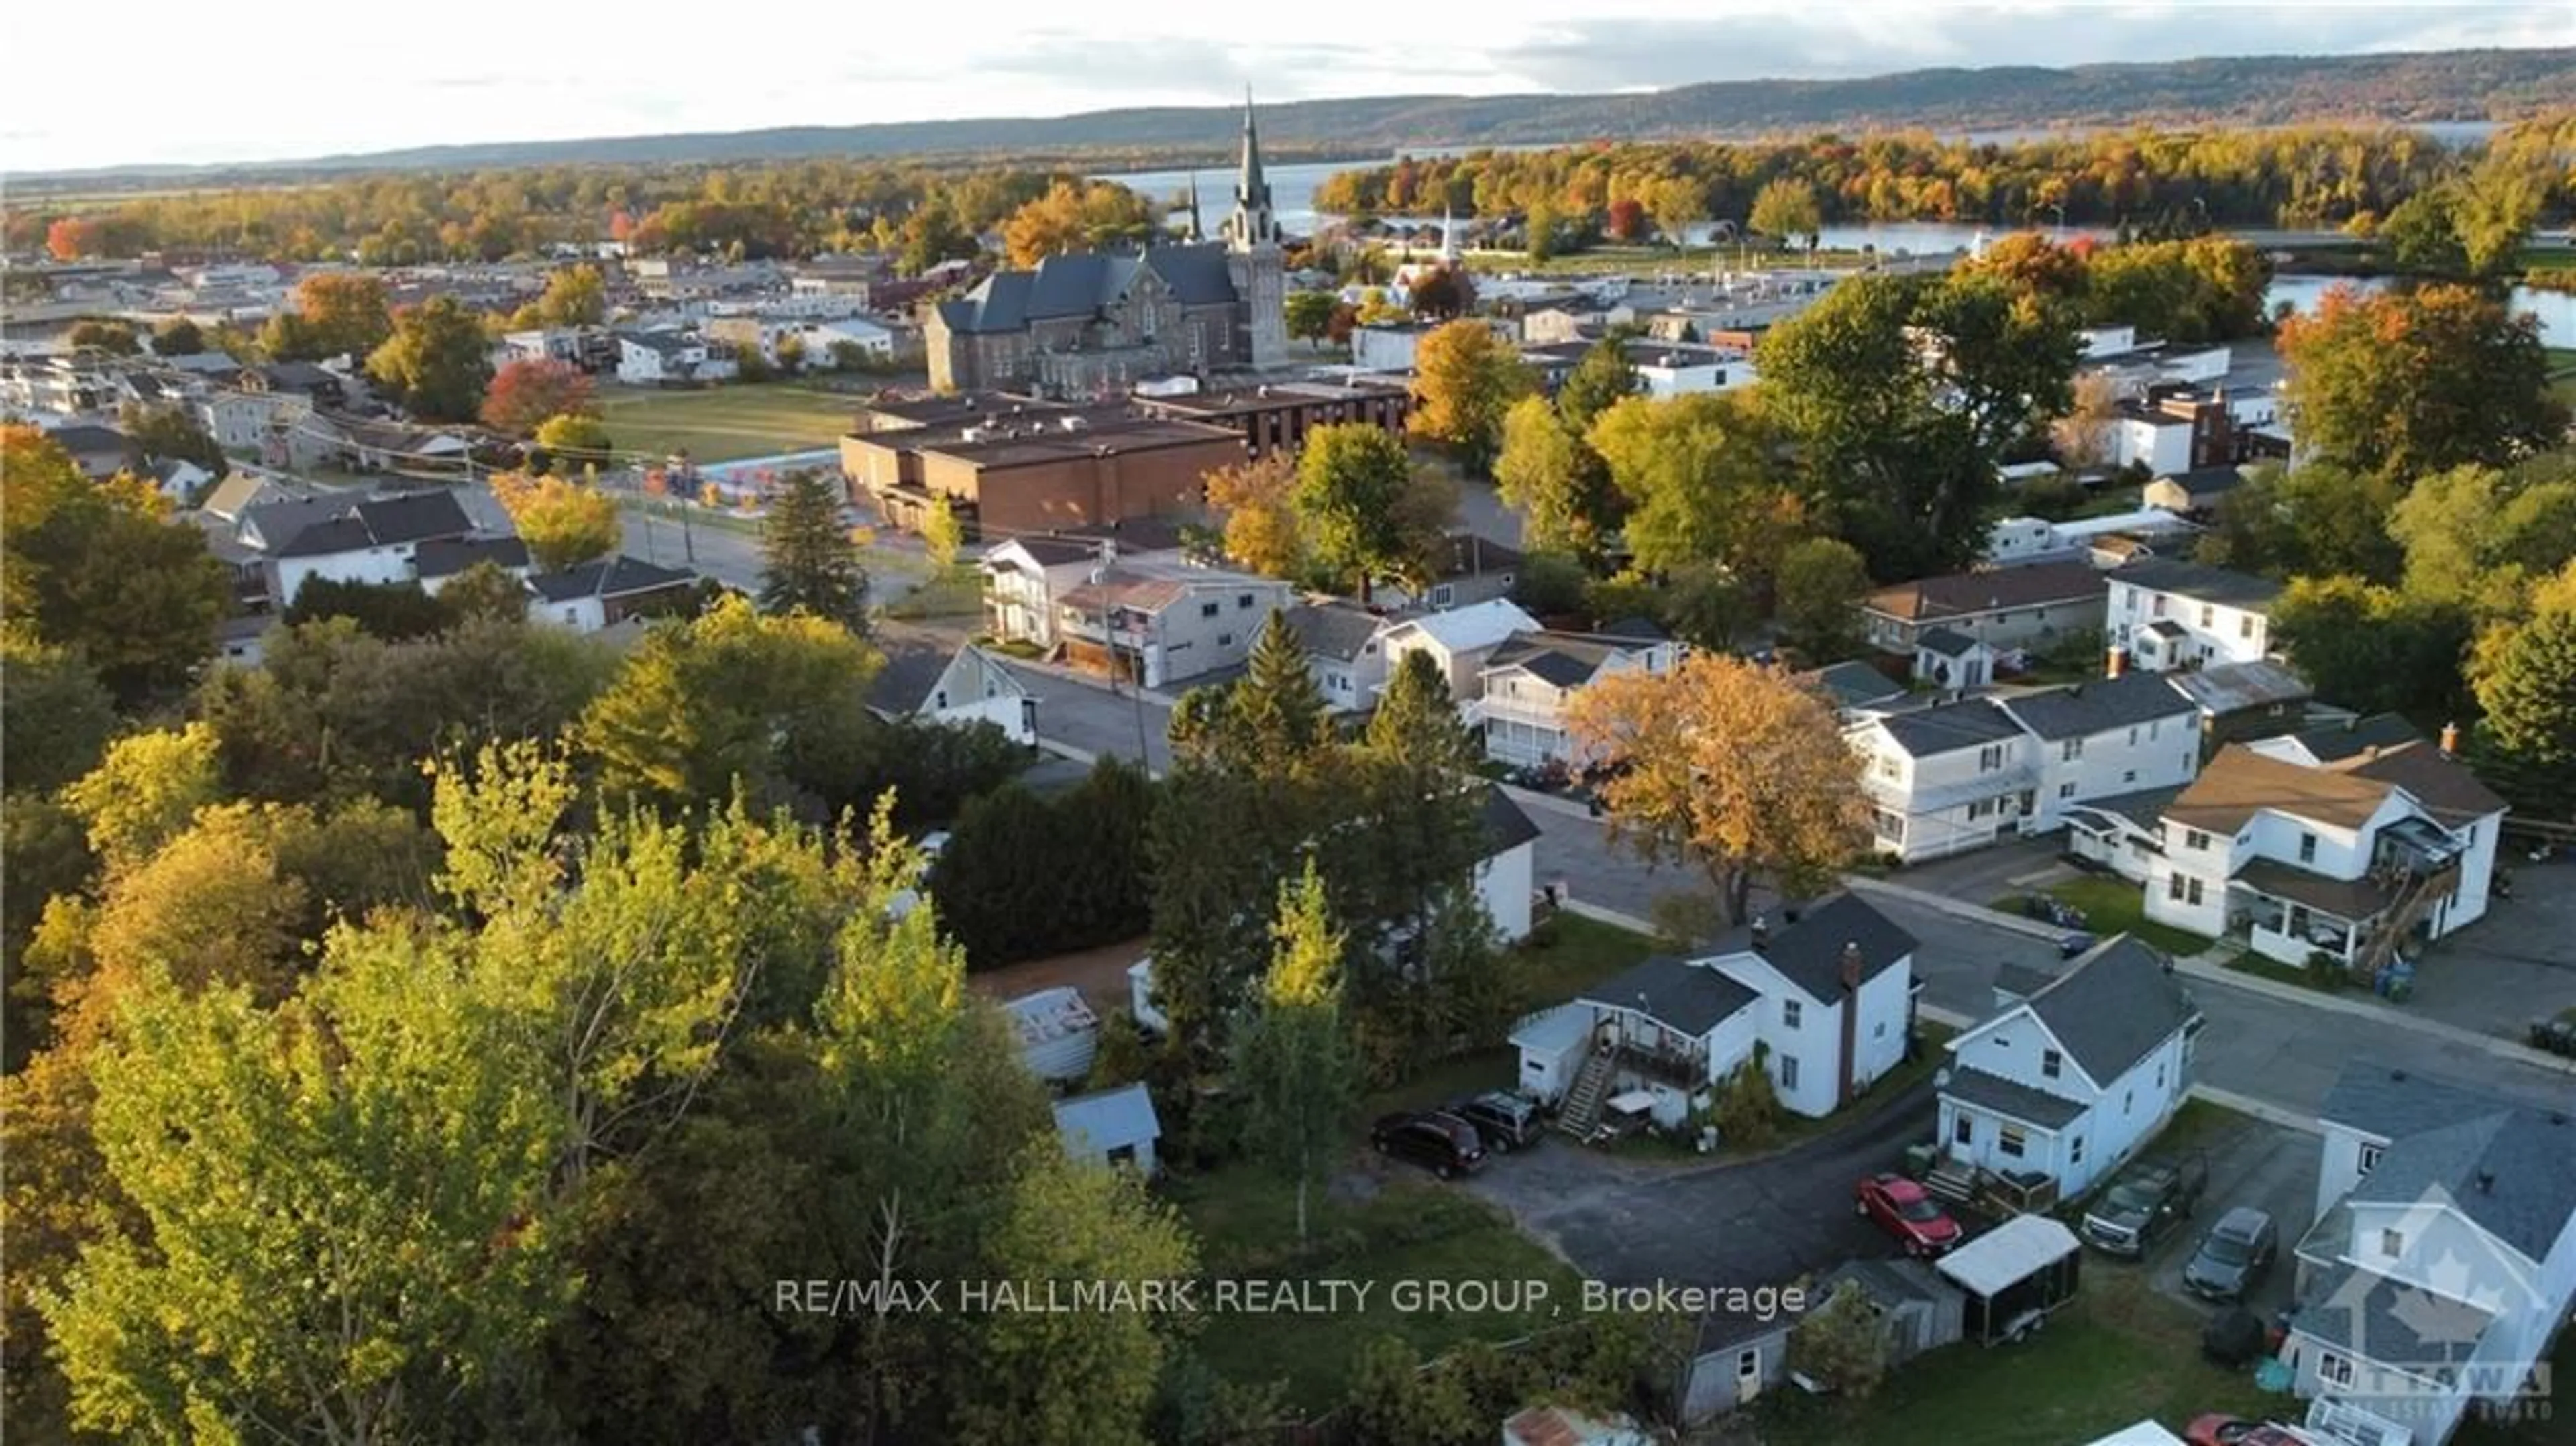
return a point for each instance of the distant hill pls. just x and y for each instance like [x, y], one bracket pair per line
[2413, 88]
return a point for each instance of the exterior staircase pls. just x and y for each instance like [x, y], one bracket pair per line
[1582, 1112]
[1951, 1180]
[2418, 898]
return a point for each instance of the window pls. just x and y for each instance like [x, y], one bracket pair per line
[2075, 1150]
[1891, 827]
[2128, 775]
[1788, 1072]
[2192, 893]
[2245, 625]
[2369, 1158]
[2154, 725]
[1964, 1132]
[1880, 1032]
[2011, 1142]
[2173, 886]
[1441, 595]
[2070, 750]
[1990, 758]
[2160, 605]
[2133, 735]
[2307, 848]
[2051, 1063]
[2208, 615]
[1889, 766]
[1790, 1009]
[2160, 1076]
[2392, 1243]
[1207, 610]
[2066, 790]
[1225, 640]
[1982, 808]
[939, 699]
[2128, 1100]
[1243, 600]
[2334, 1368]
[2193, 838]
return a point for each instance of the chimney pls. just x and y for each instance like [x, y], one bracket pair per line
[1851, 1019]
[1851, 967]
[2486, 1182]
[2116, 663]
[2450, 739]
[1761, 932]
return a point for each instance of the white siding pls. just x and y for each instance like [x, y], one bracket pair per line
[1503, 884]
[2160, 753]
[2216, 633]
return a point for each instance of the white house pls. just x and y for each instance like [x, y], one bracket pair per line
[2443, 1261]
[1024, 576]
[656, 358]
[2008, 607]
[1387, 348]
[2068, 1082]
[2112, 736]
[1345, 649]
[1953, 661]
[1530, 681]
[1110, 1127]
[1826, 1003]
[611, 590]
[1945, 779]
[371, 540]
[961, 686]
[437, 562]
[1459, 640]
[2351, 859]
[2169, 614]
[1163, 624]
[1506, 877]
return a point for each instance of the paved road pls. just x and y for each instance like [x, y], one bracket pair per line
[1090, 719]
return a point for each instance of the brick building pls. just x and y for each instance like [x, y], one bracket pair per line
[1275, 417]
[1010, 466]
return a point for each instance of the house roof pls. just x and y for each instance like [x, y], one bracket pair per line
[1332, 630]
[1116, 588]
[2333, 742]
[1809, 953]
[2443, 784]
[319, 526]
[2145, 808]
[1948, 727]
[2205, 482]
[2009, 1097]
[1507, 824]
[1561, 660]
[2081, 710]
[88, 438]
[2233, 687]
[1948, 642]
[1636, 630]
[2380, 1318]
[1109, 1120]
[1469, 555]
[2200, 583]
[242, 491]
[2390, 1104]
[2240, 783]
[2112, 1007]
[2008, 1254]
[1074, 284]
[609, 577]
[1480, 625]
[2353, 899]
[913, 665]
[1965, 594]
[1889, 1282]
[447, 556]
[1856, 685]
[2510, 1169]
[1689, 998]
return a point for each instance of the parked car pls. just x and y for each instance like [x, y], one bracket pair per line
[1507, 1121]
[2234, 1256]
[1444, 1144]
[2237, 1431]
[2147, 1199]
[1907, 1211]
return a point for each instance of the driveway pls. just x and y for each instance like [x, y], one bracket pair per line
[1986, 874]
[2516, 964]
[1754, 1223]
[2266, 1166]
[1091, 719]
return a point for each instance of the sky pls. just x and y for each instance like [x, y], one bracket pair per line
[301, 78]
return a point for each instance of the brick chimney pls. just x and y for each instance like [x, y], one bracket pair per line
[2450, 739]
[1851, 1018]
[2116, 663]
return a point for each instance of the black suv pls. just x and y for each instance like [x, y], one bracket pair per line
[1444, 1144]
[1507, 1121]
[2147, 1199]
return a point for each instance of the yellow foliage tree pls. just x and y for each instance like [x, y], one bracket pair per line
[1257, 500]
[942, 534]
[563, 523]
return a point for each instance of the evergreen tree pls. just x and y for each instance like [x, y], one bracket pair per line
[1277, 711]
[2530, 698]
[1417, 723]
[808, 560]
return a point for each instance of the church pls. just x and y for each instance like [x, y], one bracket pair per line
[1093, 325]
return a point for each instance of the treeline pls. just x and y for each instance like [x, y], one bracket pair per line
[2294, 178]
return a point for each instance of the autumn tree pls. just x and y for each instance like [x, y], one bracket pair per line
[570, 441]
[1293, 1059]
[563, 523]
[435, 362]
[112, 337]
[1258, 500]
[1071, 217]
[178, 337]
[2083, 437]
[808, 561]
[574, 296]
[1700, 483]
[342, 313]
[942, 534]
[1787, 208]
[1363, 511]
[1310, 314]
[97, 568]
[1442, 293]
[528, 391]
[1466, 379]
[2498, 202]
[1730, 766]
[1820, 585]
[1626, 222]
[2405, 383]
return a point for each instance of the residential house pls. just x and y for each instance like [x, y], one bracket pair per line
[1025, 575]
[2195, 493]
[1505, 877]
[1345, 647]
[2123, 832]
[592, 348]
[668, 358]
[99, 452]
[2008, 608]
[378, 445]
[315, 384]
[1161, 625]
[610, 590]
[2240, 702]
[1529, 683]
[2112, 736]
[1857, 689]
[255, 424]
[242, 640]
[2351, 860]
[1472, 570]
[2167, 614]
[1952, 661]
[816, 341]
[437, 562]
[1110, 1127]
[371, 540]
[2066, 1084]
[960, 685]
[178, 479]
[2443, 1262]
[1274, 417]
[1946, 779]
[2172, 431]
[1387, 347]
[1459, 641]
[1825, 1004]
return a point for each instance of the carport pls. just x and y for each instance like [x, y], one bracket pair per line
[2014, 1275]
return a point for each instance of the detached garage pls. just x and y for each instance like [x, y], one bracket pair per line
[2014, 1275]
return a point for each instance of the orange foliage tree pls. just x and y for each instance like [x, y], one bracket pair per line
[527, 392]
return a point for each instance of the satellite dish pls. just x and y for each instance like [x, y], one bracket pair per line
[1941, 1079]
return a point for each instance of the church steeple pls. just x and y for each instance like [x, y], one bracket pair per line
[1198, 231]
[1253, 224]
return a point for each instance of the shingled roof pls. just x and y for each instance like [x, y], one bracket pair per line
[2240, 783]
[2113, 1007]
[1964, 594]
[2082, 710]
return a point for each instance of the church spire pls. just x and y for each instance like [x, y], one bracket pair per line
[1253, 225]
[1198, 230]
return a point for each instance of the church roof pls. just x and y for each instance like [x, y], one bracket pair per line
[1083, 283]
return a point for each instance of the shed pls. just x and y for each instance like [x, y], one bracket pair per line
[1922, 1312]
[1949, 658]
[1558, 1426]
[1111, 1127]
[1553, 1044]
[2014, 1275]
[2145, 1433]
[1058, 1033]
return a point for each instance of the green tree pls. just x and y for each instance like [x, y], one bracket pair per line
[1465, 381]
[55, 716]
[1549, 476]
[941, 533]
[2529, 693]
[1276, 711]
[1310, 314]
[2372, 648]
[1821, 582]
[112, 337]
[2498, 203]
[808, 562]
[2423, 234]
[171, 433]
[2481, 538]
[722, 701]
[1747, 1109]
[2405, 383]
[1415, 720]
[1842, 1343]
[1293, 1062]
[97, 569]
[145, 790]
[569, 441]
[1354, 503]
[394, 611]
[1603, 379]
[1787, 208]
[178, 337]
[1700, 482]
[435, 361]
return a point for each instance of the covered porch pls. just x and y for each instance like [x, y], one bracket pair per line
[1998, 1131]
[2287, 914]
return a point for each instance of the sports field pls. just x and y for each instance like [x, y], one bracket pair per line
[725, 424]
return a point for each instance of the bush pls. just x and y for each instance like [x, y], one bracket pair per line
[393, 612]
[1747, 1109]
[1551, 584]
[1024, 877]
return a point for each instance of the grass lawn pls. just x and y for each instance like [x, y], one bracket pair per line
[727, 424]
[2113, 906]
[2562, 372]
[2119, 1354]
[1411, 1231]
[959, 594]
[1569, 952]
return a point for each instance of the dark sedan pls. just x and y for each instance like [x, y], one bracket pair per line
[2233, 1257]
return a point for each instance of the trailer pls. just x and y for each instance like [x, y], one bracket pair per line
[2014, 1276]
